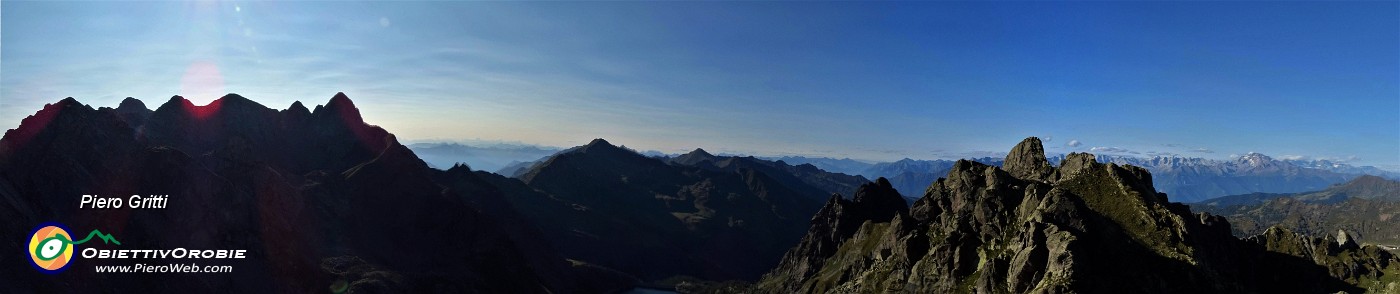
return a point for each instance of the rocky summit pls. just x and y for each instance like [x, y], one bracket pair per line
[1082, 227]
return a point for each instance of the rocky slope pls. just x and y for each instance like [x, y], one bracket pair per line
[1084, 226]
[1368, 207]
[319, 199]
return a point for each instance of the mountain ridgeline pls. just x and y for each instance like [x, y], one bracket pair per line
[666, 220]
[1184, 179]
[319, 199]
[1082, 227]
[1367, 207]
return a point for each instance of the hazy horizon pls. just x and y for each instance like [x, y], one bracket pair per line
[869, 81]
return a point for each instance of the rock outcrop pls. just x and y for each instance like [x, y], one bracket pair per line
[840, 220]
[1085, 227]
[1027, 161]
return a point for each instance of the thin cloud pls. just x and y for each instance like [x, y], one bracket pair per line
[1109, 149]
[1073, 143]
[1202, 150]
[1162, 153]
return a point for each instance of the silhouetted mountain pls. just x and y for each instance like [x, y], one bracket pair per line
[695, 157]
[801, 177]
[716, 218]
[515, 169]
[1082, 227]
[1367, 207]
[317, 198]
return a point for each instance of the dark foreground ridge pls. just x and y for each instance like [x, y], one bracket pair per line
[1084, 227]
[320, 200]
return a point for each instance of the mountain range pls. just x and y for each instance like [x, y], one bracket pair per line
[1186, 179]
[478, 157]
[696, 216]
[318, 198]
[1196, 179]
[1083, 226]
[324, 201]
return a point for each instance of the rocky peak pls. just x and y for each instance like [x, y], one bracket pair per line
[1254, 159]
[1031, 228]
[694, 157]
[880, 200]
[133, 111]
[1345, 240]
[298, 110]
[179, 108]
[837, 222]
[598, 145]
[132, 104]
[64, 114]
[1027, 161]
[1076, 163]
[341, 106]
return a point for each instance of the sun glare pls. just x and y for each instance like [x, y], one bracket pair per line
[202, 82]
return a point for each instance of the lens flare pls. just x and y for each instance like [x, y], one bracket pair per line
[202, 82]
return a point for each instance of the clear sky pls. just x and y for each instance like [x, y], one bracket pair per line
[877, 81]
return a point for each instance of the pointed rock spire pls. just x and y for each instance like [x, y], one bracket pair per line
[341, 106]
[1345, 241]
[879, 200]
[1027, 161]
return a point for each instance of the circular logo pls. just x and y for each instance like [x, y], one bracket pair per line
[51, 247]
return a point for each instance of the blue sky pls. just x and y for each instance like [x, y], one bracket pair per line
[877, 81]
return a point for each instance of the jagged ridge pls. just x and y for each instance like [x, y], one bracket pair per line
[1082, 227]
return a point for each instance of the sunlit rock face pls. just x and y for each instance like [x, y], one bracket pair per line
[1085, 227]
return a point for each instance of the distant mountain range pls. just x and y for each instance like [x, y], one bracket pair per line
[492, 157]
[1368, 206]
[1184, 179]
[1196, 179]
[844, 165]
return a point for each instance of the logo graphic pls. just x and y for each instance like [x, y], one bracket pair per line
[51, 246]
